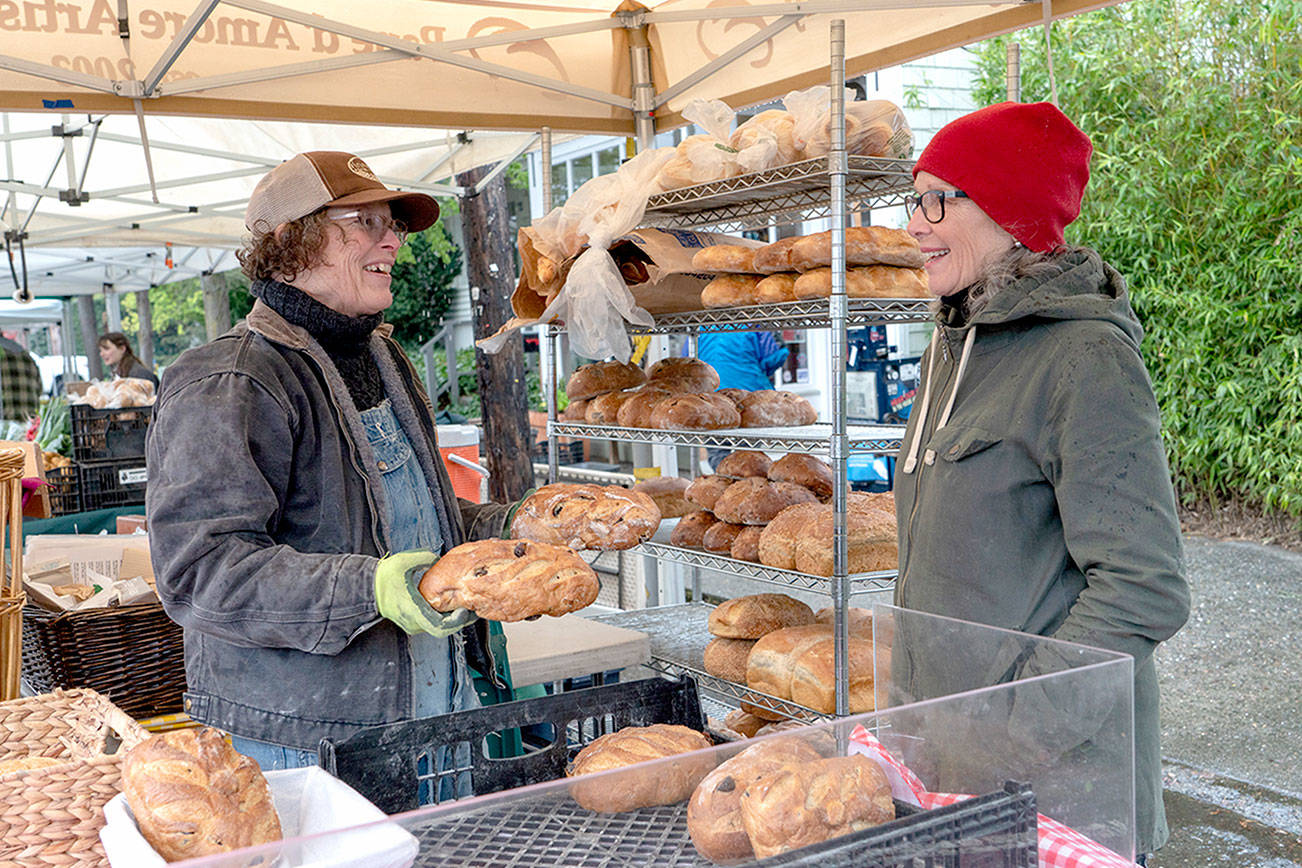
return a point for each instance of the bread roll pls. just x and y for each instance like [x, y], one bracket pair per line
[731, 290]
[746, 546]
[775, 257]
[809, 802]
[635, 412]
[726, 658]
[714, 812]
[865, 281]
[757, 500]
[192, 795]
[742, 722]
[602, 409]
[724, 259]
[864, 245]
[601, 377]
[669, 494]
[756, 615]
[702, 412]
[604, 517]
[744, 463]
[804, 470]
[777, 542]
[772, 661]
[773, 409]
[510, 580]
[661, 784]
[684, 375]
[704, 491]
[776, 288]
[870, 544]
[718, 537]
[689, 533]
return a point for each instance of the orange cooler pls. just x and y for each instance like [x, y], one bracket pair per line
[463, 442]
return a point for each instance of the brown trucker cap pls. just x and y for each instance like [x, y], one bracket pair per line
[313, 180]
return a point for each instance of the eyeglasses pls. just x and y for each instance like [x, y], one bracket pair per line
[932, 203]
[376, 226]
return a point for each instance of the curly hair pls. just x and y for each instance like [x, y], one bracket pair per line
[1006, 270]
[297, 248]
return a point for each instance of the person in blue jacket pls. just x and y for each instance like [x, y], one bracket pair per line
[744, 360]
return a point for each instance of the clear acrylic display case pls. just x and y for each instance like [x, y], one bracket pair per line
[1023, 723]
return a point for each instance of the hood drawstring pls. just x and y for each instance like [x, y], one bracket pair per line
[929, 457]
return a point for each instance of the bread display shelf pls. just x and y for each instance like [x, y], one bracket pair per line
[811, 313]
[678, 636]
[795, 191]
[814, 439]
[859, 582]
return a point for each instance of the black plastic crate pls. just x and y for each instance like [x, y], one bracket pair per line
[98, 435]
[64, 489]
[112, 483]
[384, 763]
[566, 453]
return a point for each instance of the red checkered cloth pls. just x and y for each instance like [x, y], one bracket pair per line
[1060, 846]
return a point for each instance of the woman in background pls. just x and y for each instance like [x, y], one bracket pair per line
[115, 353]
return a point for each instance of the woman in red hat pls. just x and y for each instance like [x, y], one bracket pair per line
[1033, 492]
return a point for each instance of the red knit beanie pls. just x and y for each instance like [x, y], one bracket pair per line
[1025, 164]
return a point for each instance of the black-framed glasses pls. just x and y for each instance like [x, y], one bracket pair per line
[932, 203]
[376, 226]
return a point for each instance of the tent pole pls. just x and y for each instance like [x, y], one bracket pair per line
[1013, 73]
[145, 339]
[67, 332]
[548, 349]
[113, 307]
[644, 122]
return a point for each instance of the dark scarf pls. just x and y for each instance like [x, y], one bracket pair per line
[346, 339]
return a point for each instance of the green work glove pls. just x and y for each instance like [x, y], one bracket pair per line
[397, 578]
[510, 513]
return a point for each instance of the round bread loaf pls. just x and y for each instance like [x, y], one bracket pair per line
[600, 377]
[726, 658]
[776, 288]
[574, 411]
[510, 580]
[635, 412]
[702, 412]
[871, 544]
[746, 546]
[724, 258]
[733, 395]
[758, 501]
[777, 542]
[773, 409]
[602, 409]
[809, 802]
[661, 784]
[669, 494]
[744, 463]
[775, 257]
[604, 517]
[804, 470]
[714, 812]
[193, 795]
[704, 491]
[756, 615]
[689, 533]
[731, 290]
[684, 375]
[864, 281]
[719, 537]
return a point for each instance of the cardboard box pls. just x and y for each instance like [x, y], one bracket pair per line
[38, 505]
[121, 556]
[131, 523]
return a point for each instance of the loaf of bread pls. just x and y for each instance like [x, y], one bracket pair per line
[864, 245]
[777, 542]
[689, 533]
[736, 396]
[776, 288]
[860, 621]
[635, 412]
[700, 412]
[809, 802]
[192, 795]
[812, 524]
[680, 374]
[865, 281]
[669, 494]
[704, 491]
[870, 544]
[775, 257]
[719, 537]
[726, 658]
[746, 546]
[731, 290]
[813, 678]
[773, 409]
[510, 580]
[574, 411]
[772, 661]
[756, 615]
[804, 470]
[714, 812]
[602, 409]
[743, 722]
[776, 124]
[660, 784]
[604, 517]
[744, 463]
[601, 377]
[724, 259]
[757, 500]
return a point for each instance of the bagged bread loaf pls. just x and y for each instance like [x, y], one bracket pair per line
[510, 580]
[775, 125]
[743, 723]
[756, 615]
[661, 784]
[604, 517]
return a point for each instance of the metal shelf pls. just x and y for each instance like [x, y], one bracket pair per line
[811, 439]
[860, 583]
[780, 195]
[678, 637]
[807, 314]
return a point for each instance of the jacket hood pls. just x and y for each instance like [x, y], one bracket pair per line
[1084, 287]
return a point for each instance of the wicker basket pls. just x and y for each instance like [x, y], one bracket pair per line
[52, 815]
[11, 571]
[133, 654]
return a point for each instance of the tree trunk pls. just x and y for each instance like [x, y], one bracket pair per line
[216, 304]
[89, 336]
[145, 315]
[503, 393]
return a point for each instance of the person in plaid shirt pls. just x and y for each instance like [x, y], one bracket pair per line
[20, 382]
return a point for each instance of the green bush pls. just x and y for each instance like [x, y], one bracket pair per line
[1195, 110]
